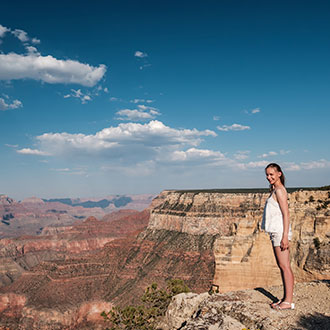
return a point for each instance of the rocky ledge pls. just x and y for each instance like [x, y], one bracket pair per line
[249, 309]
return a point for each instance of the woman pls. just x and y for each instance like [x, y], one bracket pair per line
[276, 223]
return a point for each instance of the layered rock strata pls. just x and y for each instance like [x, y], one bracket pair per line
[54, 291]
[18, 255]
[243, 253]
[30, 216]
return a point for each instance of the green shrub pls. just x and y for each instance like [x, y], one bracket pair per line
[145, 316]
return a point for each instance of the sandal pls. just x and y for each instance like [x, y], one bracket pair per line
[291, 306]
[274, 304]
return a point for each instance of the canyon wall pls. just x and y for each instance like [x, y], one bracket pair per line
[55, 244]
[243, 253]
[68, 292]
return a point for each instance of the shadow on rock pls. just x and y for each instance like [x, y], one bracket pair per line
[267, 294]
[314, 321]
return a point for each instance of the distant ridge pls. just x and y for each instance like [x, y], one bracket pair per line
[247, 190]
[103, 203]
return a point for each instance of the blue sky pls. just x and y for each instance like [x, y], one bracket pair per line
[115, 97]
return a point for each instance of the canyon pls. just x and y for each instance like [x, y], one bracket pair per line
[31, 215]
[65, 276]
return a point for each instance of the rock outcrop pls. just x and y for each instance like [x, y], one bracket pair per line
[249, 309]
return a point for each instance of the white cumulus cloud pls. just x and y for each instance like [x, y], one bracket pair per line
[268, 154]
[84, 98]
[195, 154]
[21, 35]
[233, 127]
[8, 106]
[28, 151]
[322, 163]
[141, 101]
[49, 69]
[259, 164]
[253, 111]
[32, 50]
[135, 115]
[3, 30]
[142, 113]
[140, 54]
[242, 154]
[35, 41]
[292, 167]
[127, 143]
[11, 145]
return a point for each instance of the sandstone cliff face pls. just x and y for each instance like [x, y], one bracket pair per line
[243, 253]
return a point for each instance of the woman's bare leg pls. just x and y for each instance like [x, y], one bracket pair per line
[283, 262]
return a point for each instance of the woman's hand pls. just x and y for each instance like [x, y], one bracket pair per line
[284, 243]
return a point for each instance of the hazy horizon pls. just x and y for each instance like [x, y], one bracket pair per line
[99, 197]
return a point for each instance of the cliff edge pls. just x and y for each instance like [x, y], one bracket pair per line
[249, 309]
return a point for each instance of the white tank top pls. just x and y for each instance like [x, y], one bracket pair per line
[272, 220]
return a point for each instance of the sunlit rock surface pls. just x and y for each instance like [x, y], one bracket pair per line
[249, 309]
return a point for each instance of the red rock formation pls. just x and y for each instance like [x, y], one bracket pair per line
[59, 243]
[119, 273]
[33, 214]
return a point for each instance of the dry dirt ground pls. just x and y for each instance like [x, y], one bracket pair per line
[312, 306]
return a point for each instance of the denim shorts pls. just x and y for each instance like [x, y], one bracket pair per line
[277, 237]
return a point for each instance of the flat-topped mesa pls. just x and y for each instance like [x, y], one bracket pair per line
[204, 212]
[243, 253]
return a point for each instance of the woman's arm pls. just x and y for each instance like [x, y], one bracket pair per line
[282, 199]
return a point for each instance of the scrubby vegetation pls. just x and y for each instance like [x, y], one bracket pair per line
[145, 316]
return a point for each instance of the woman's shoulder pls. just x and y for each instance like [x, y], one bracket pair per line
[281, 192]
